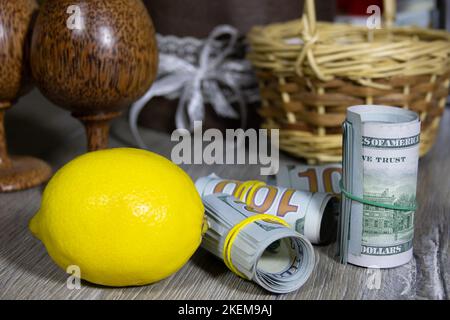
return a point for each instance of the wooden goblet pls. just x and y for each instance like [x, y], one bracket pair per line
[94, 58]
[16, 173]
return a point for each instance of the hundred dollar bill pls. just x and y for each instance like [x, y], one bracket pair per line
[313, 215]
[266, 252]
[380, 164]
[309, 178]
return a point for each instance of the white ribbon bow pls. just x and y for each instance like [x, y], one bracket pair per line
[178, 78]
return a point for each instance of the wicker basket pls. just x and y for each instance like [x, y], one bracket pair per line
[309, 73]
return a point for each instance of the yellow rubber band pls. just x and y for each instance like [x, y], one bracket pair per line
[250, 187]
[252, 191]
[243, 188]
[229, 240]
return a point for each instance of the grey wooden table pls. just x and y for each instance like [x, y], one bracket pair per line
[38, 128]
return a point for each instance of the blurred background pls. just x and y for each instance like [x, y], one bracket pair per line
[196, 19]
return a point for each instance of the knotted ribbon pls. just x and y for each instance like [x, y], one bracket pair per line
[193, 84]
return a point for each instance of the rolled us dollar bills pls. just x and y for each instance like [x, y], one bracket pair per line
[313, 215]
[380, 164]
[309, 178]
[255, 246]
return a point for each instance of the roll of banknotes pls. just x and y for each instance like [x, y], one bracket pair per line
[380, 163]
[309, 178]
[313, 215]
[257, 247]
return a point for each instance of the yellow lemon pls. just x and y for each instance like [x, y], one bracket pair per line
[123, 216]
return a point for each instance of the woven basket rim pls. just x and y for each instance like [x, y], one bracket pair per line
[267, 33]
[344, 50]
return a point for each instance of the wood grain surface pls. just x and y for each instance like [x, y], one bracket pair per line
[16, 22]
[16, 19]
[98, 66]
[103, 64]
[27, 272]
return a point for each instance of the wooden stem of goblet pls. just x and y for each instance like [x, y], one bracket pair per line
[5, 161]
[97, 129]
